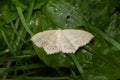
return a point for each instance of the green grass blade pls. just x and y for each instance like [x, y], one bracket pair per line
[23, 20]
[79, 67]
[97, 31]
[30, 10]
[105, 36]
[6, 41]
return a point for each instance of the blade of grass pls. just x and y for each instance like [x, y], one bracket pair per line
[23, 20]
[105, 36]
[73, 74]
[15, 27]
[23, 33]
[6, 41]
[30, 11]
[79, 67]
[94, 29]
[38, 6]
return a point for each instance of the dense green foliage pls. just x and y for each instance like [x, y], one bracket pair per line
[20, 59]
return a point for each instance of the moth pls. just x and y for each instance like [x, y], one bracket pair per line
[66, 41]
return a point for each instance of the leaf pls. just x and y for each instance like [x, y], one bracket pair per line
[56, 60]
[61, 14]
